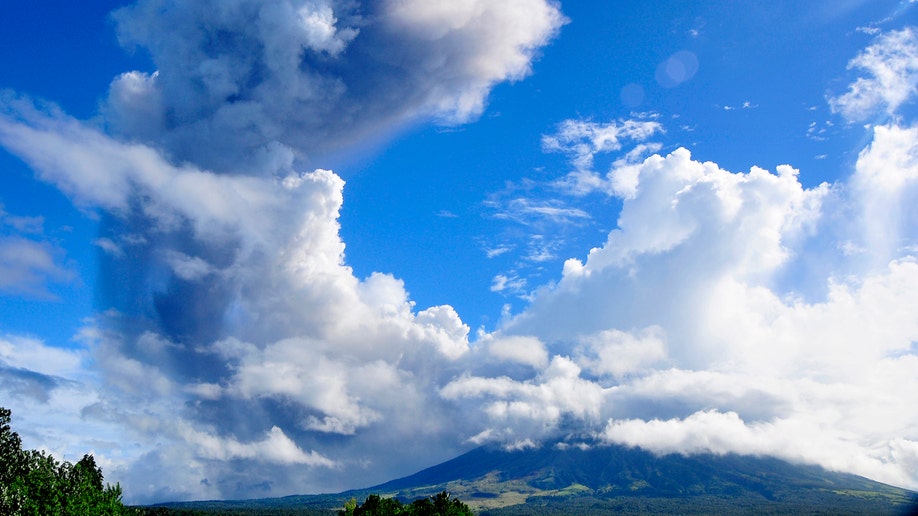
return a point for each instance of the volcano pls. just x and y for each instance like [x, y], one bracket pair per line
[572, 479]
[590, 480]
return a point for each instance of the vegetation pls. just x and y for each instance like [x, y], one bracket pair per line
[213, 510]
[439, 505]
[35, 483]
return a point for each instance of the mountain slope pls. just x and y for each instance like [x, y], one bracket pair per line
[491, 478]
[615, 480]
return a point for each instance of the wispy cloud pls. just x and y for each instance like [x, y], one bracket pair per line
[29, 262]
[891, 68]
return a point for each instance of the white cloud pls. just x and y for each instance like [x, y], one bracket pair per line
[319, 30]
[23, 225]
[29, 263]
[529, 212]
[275, 448]
[312, 75]
[33, 355]
[524, 350]
[512, 283]
[479, 42]
[188, 268]
[891, 65]
[253, 308]
[617, 353]
[554, 212]
[109, 246]
[793, 439]
[47, 388]
[28, 266]
[497, 251]
[732, 357]
[885, 184]
[583, 140]
[532, 409]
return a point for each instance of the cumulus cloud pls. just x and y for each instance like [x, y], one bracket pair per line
[237, 81]
[246, 318]
[523, 350]
[618, 353]
[679, 334]
[690, 331]
[885, 181]
[545, 406]
[224, 267]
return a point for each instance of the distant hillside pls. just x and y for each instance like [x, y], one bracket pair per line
[615, 479]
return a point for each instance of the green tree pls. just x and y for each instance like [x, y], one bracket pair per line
[440, 505]
[35, 483]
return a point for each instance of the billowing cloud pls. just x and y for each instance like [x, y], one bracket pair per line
[231, 298]
[247, 85]
[523, 350]
[735, 312]
[680, 334]
[690, 330]
[289, 326]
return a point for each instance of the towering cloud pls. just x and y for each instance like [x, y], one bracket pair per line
[233, 332]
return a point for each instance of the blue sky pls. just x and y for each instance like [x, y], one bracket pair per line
[282, 237]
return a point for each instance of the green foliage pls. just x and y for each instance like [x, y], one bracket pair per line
[439, 505]
[35, 483]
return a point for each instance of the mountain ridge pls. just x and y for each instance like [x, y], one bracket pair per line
[483, 477]
[573, 480]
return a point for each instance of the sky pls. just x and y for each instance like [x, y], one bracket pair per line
[254, 248]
